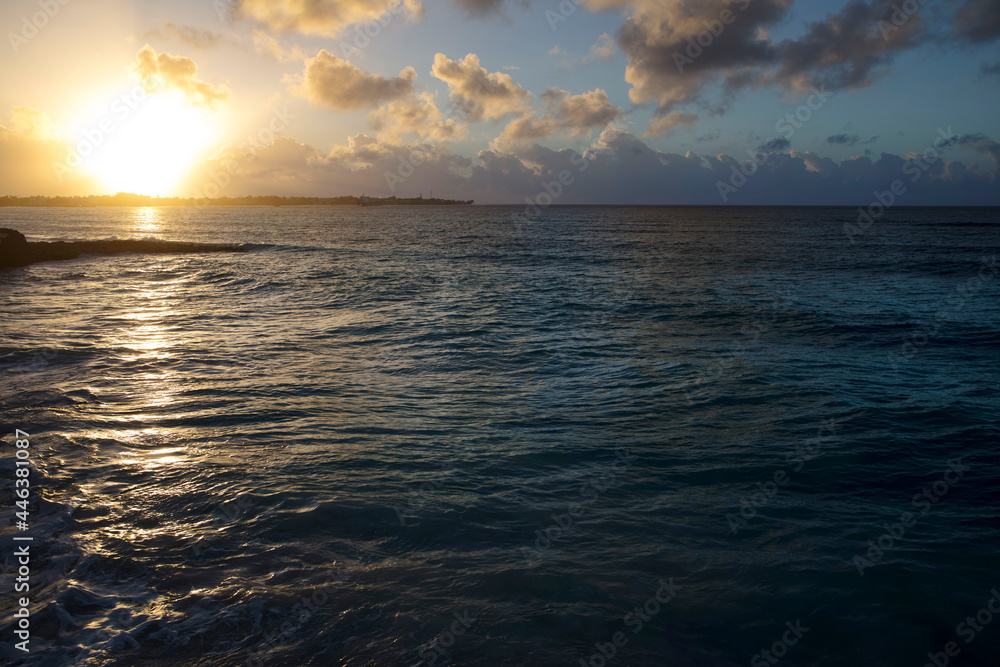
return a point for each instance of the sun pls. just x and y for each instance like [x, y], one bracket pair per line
[156, 141]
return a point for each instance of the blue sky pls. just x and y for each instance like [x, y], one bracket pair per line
[889, 93]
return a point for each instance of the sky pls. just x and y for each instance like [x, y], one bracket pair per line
[533, 102]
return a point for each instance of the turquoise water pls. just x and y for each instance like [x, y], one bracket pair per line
[431, 436]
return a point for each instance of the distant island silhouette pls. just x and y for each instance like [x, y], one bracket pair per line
[132, 200]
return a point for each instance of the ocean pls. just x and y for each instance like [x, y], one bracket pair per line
[442, 436]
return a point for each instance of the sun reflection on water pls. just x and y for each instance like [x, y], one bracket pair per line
[148, 220]
[147, 340]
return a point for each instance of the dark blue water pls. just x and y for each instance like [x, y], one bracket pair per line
[432, 436]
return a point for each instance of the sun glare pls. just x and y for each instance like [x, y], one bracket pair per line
[152, 149]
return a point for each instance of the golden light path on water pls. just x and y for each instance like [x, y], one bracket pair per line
[152, 460]
[148, 220]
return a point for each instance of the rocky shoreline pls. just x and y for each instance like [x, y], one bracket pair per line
[16, 251]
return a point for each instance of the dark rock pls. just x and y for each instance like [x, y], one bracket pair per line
[16, 251]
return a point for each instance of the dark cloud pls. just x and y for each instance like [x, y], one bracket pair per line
[849, 49]
[844, 139]
[668, 67]
[775, 145]
[676, 51]
[987, 69]
[621, 168]
[483, 7]
[708, 136]
[978, 20]
[963, 140]
[981, 143]
[618, 168]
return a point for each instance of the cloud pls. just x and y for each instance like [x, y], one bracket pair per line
[983, 144]
[678, 51]
[620, 168]
[603, 49]
[708, 136]
[481, 8]
[194, 37]
[32, 124]
[576, 115]
[325, 17]
[978, 20]
[580, 113]
[775, 145]
[363, 164]
[475, 92]
[660, 125]
[987, 69]
[657, 30]
[849, 49]
[844, 139]
[265, 44]
[704, 53]
[529, 127]
[339, 85]
[418, 115]
[617, 168]
[159, 72]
